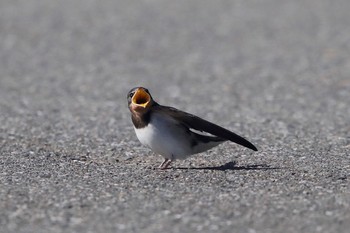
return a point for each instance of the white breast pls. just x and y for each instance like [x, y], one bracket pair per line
[165, 137]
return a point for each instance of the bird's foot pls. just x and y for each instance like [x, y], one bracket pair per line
[165, 164]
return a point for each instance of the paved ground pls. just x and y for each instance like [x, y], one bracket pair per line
[274, 71]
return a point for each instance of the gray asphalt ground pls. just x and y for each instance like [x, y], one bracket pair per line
[276, 72]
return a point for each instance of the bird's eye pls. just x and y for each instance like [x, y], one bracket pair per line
[131, 94]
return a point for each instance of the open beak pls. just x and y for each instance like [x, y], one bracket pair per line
[141, 98]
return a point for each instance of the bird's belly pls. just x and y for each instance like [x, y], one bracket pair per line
[170, 141]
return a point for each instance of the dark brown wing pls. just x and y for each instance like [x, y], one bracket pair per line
[200, 124]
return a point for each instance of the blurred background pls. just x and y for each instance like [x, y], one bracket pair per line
[255, 61]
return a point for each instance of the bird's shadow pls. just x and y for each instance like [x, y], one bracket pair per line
[231, 166]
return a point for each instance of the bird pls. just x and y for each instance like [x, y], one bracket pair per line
[172, 133]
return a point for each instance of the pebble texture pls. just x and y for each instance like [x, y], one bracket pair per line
[276, 72]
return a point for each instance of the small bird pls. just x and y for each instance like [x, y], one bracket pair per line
[172, 133]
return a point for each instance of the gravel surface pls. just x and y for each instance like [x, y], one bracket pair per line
[276, 72]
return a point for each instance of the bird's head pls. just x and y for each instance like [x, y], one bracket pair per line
[139, 100]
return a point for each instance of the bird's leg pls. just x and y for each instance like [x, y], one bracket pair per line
[165, 164]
